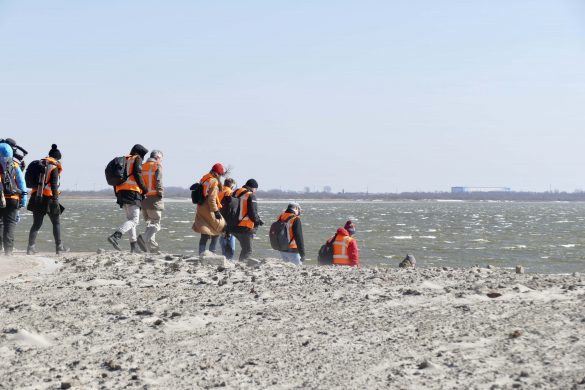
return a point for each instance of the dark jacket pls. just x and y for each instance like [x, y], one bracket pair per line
[297, 229]
[133, 197]
[252, 213]
[43, 205]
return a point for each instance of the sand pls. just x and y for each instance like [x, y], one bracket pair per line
[116, 320]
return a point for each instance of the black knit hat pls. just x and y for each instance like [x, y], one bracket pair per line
[54, 152]
[139, 150]
[251, 183]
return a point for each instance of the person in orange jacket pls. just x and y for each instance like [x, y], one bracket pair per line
[296, 243]
[227, 241]
[345, 248]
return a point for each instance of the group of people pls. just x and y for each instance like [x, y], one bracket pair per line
[143, 190]
[43, 180]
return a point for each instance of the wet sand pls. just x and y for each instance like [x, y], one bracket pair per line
[142, 321]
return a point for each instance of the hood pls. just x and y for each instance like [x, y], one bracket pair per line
[139, 150]
[342, 232]
[5, 150]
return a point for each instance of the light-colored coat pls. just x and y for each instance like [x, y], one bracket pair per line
[205, 221]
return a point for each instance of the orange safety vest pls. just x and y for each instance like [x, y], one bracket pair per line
[209, 182]
[47, 188]
[130, 183]
[15, 196]
[245, 221]
[148, 175]
[227, 191]
[341, 249]
[289, 219]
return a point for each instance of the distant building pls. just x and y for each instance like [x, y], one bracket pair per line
[460, 190]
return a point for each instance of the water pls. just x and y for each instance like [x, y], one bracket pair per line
[543, 237]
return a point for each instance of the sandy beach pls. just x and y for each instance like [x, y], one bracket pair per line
[116, 320]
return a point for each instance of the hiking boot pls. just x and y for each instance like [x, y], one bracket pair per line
[134, 248]
[61, 249]
[142, 243]
[113, 239]
[31, 250]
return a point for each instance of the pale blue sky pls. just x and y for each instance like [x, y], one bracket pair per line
[386, 95]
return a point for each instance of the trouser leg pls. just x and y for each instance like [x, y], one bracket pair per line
[34, 230]
[213, 244]
[152, 218]
[56, 221]
[245, 240]
[203, 243]
[9, 224]
[132, 220]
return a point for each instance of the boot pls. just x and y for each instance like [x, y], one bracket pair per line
[31, 250]
[61, 249]
[113, 239]
[134, 248]
[142, 244]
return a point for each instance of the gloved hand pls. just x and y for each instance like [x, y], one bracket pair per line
[217, 215]
[54, 208]
[260, 222]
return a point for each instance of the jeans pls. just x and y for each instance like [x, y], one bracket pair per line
[245, 240]
[132, 220]
[8, 218]
[203, 243]
[228, 245]
[152, 218]
[290, 257]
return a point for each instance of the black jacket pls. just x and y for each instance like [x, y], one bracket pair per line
[133, 197]
[297, 229]
[252, 213]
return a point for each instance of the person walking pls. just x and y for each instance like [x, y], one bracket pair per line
[345, 248]
[45, 200]
[152, 205]
[208, 220]
[13, 196]
[227, 241]
[296, 247]
[18, 154]
[248, 217]
[129, 196]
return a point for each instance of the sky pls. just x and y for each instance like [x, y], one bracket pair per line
[383, 96]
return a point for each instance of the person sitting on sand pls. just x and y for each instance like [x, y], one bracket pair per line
[345, 249]
[152, 205]
[208, 220]
[249, 218]
[129, 196]
[227, 241]
[296, 247]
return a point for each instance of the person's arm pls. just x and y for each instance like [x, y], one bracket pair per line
[212, 200]
[253, 210]
[137, 173]
[354, 253]
[297, 229]
[158, 180]
[21, 186]
[54, 180]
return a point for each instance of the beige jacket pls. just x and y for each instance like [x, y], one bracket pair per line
[205, 221]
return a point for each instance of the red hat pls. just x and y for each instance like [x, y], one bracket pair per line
[218, 168]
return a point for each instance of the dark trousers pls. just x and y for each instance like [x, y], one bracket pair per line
[203, 243]
[8, 218]
[245, 240]
[38, 217]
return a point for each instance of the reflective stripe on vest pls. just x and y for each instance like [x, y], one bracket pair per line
[226, 191]
[209, 182]
[149, 176]
[243, 217]
[340, 250]
[130, 183]
[289, 219]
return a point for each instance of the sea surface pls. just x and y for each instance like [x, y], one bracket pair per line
[542, 237]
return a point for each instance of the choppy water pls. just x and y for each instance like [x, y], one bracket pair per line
[543, 237]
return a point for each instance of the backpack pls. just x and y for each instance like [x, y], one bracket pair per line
[9, 185]
[197, 196]
[230, 210]
[279, 235]
[34, 172]
[325, 256]
[116, 172]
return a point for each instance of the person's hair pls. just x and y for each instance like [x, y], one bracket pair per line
[156, 154]
[229, 182]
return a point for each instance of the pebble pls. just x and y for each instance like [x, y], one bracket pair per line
[519, 269]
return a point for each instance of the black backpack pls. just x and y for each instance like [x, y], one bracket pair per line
[197, 196]
[279, 235]
[116, 172]
[230, 210]
[9, 185]
[34, 172]
[325, 256]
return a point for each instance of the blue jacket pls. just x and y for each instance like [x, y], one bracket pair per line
[7, 153]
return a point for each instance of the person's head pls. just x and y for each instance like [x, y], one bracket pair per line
[229, 182]
[350, 227]
[157, 155]
[252, 185]
[138, 150]
[294, 208]
[54, 152]
[217, 170]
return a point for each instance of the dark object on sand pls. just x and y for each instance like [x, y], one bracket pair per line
[408, 262]
[517, 333]
[494, 295]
